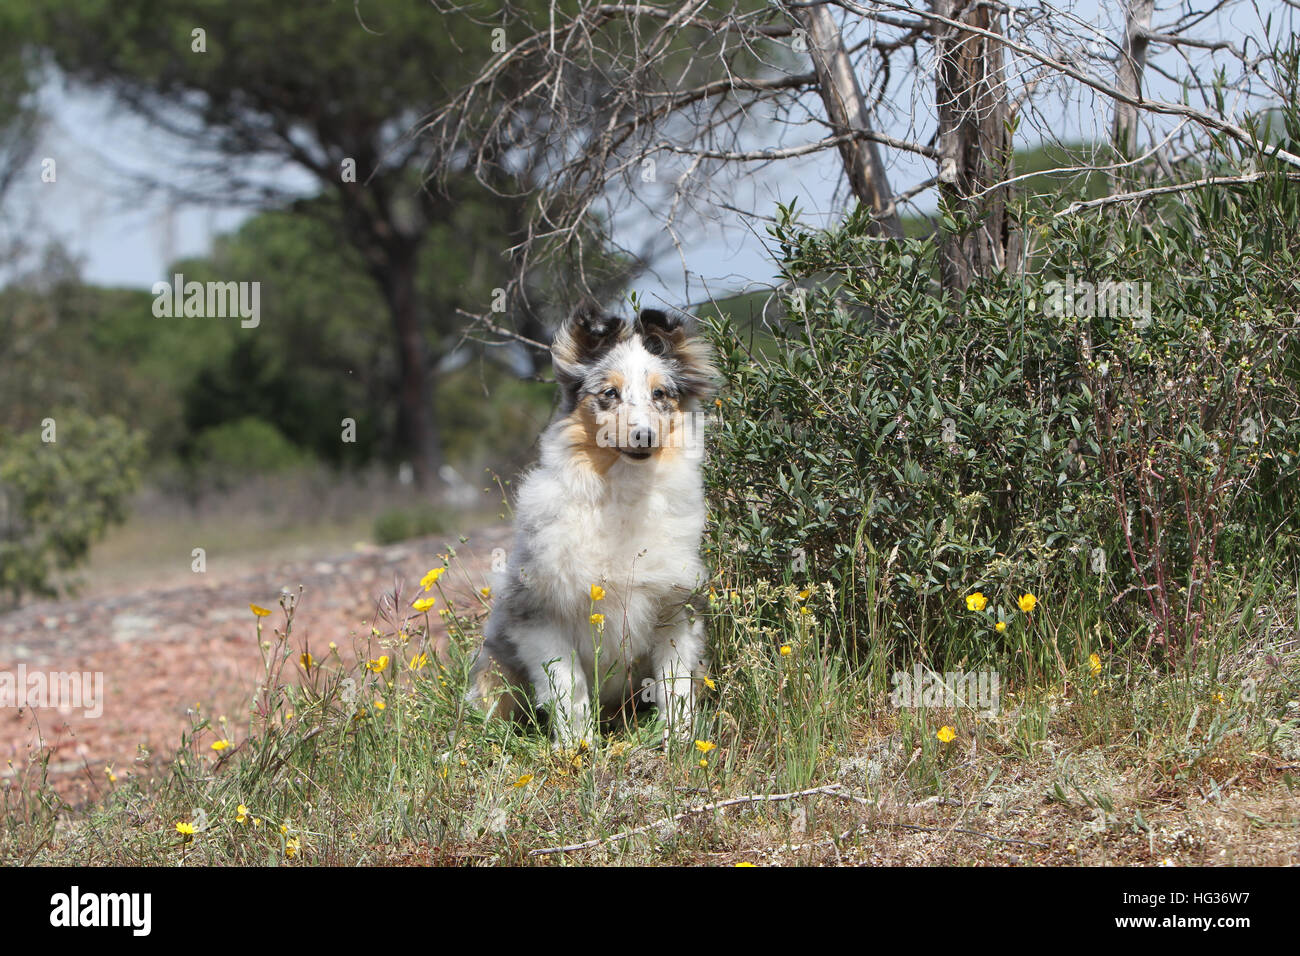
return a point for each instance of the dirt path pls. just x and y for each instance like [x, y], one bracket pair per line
[163, 650]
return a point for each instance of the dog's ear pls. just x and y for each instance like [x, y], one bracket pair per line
[660, 331]
[588, 333]
[691, 358]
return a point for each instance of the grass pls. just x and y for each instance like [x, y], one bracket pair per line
[298, 515]
[1110, 759]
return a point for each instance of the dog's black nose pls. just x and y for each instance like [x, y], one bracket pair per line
[642, 437]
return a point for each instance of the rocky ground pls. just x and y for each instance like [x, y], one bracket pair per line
[164, 650]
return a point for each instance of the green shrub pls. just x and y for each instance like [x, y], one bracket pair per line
[238, 449]
[402, 524]
[892, 435]
[884, 431]
[59, 496]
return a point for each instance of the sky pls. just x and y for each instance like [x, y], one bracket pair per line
[126, 237]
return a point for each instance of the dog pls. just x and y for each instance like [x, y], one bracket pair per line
[601, 595]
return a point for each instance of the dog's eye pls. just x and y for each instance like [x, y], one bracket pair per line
[657, 394]
[611, 393]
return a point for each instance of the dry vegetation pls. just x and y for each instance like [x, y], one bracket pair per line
[369, 756]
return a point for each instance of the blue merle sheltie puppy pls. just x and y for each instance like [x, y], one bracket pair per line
[601, 593]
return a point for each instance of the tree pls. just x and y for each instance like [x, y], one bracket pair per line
[974, 137]
[258, 93]
[19, 117]
[696, 89]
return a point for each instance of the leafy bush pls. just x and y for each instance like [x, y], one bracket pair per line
[883, 424]
[58, 497]
[1010, 442]
[1197, 417]
[402, 524]
[248, 446]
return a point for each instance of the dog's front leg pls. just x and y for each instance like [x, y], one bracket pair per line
[561, 688]
[679, 655]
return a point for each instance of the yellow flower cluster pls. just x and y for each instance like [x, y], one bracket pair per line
[978, 602]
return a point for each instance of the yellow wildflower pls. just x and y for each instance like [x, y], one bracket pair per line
[704, 746]
[1094, 664]
[378, 665]
[946, 734]
[708, 682]
[976, 601]
[597, 593]
[241, 814]
[306, 660]
[486, 592]
[524, 781]
[379, 704]
[786, 650]
[220, 745]
[598, 620]
[1000, 626]
[419, 661]
[185, 829]
[424, 604]
[430, 579]
[259, 611]
[291, 847]
[1027, 602]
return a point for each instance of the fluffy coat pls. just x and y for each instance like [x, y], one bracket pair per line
[615, 501]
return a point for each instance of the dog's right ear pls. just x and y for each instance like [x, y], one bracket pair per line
[587, 334]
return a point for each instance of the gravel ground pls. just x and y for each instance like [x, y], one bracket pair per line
[161, 651]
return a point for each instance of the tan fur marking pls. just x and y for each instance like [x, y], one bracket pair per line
[580, 433]
[670, 428]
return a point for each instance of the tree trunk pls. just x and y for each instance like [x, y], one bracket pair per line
[1128, 75]
[974, 141]
[418, 439]
[846, 108]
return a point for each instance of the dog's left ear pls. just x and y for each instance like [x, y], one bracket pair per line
[660, 331]
[692, 360]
